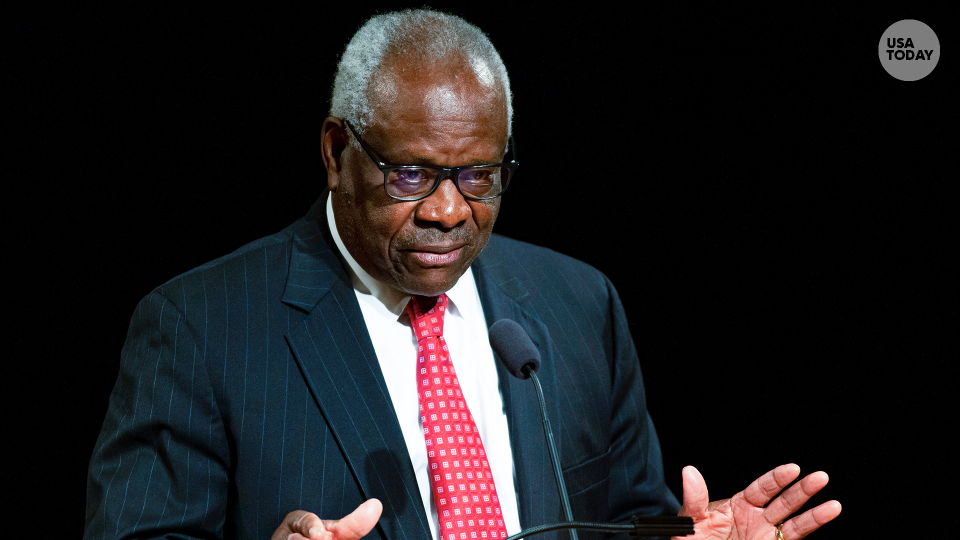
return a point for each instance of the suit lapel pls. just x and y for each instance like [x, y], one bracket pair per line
[336, 357]
[504, 296]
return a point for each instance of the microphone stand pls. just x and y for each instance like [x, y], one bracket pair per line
[554, 458]
[638, 526]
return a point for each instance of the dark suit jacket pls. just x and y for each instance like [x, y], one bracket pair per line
[249, 388]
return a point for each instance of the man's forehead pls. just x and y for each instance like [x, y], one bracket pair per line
[440, 101]
[419, 145]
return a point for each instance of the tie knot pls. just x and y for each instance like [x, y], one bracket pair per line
[426, 315]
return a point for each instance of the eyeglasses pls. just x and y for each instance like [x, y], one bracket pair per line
[415, 182]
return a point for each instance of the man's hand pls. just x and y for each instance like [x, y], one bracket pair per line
[743, 517]
[300, 525]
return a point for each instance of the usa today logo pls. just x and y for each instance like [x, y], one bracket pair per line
[909, 50]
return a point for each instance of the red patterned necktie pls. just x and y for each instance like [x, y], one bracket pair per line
[460, 476]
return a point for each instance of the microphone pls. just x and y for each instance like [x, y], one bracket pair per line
[513, 346]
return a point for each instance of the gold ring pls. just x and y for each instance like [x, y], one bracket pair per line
[779, 533]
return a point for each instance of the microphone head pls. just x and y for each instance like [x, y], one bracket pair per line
[513, 346]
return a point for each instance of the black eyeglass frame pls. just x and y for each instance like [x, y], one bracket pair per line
[445, 172]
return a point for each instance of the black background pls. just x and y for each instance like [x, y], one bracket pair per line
[774, 208]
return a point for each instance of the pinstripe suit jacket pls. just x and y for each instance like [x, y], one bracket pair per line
[249, 388]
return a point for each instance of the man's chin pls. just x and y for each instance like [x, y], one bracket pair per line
[429, 289]
[433, 282]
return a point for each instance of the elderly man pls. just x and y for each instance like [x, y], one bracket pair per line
[342, 366]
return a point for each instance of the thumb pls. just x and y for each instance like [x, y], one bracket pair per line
[359, 522]
[695, 496]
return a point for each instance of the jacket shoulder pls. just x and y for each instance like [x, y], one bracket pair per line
[538, 267]
[277, 241]
[253, 274]
[524, 254]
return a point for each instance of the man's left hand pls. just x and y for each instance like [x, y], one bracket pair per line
[744, 517]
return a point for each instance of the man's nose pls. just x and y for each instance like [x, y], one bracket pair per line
[445, 206]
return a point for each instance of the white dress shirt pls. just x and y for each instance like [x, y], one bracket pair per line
[465, 331]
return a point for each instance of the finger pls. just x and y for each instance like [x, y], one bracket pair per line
[359, 522]
[811, 520]
[795, 496]
[761, 490]
[297, 525]
[695, 496]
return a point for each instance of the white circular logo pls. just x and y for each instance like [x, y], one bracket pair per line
[909, 50]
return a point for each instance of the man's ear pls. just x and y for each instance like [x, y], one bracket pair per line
[333, 141]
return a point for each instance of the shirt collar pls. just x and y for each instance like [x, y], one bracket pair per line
[463, 295]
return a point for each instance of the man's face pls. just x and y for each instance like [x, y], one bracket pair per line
[441, 116]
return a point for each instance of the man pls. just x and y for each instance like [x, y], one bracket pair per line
[271, 391]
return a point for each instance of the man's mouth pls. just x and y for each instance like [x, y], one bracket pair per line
[436, 255]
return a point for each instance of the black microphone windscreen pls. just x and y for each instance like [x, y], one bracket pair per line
[512, 344]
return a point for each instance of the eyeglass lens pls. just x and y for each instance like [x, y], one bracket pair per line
[480, 182]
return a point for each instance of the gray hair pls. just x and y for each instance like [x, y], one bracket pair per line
[419, 33]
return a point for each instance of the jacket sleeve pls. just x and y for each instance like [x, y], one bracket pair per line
[160, 466]
[637, 483]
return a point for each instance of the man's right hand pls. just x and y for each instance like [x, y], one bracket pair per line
[301, 525]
